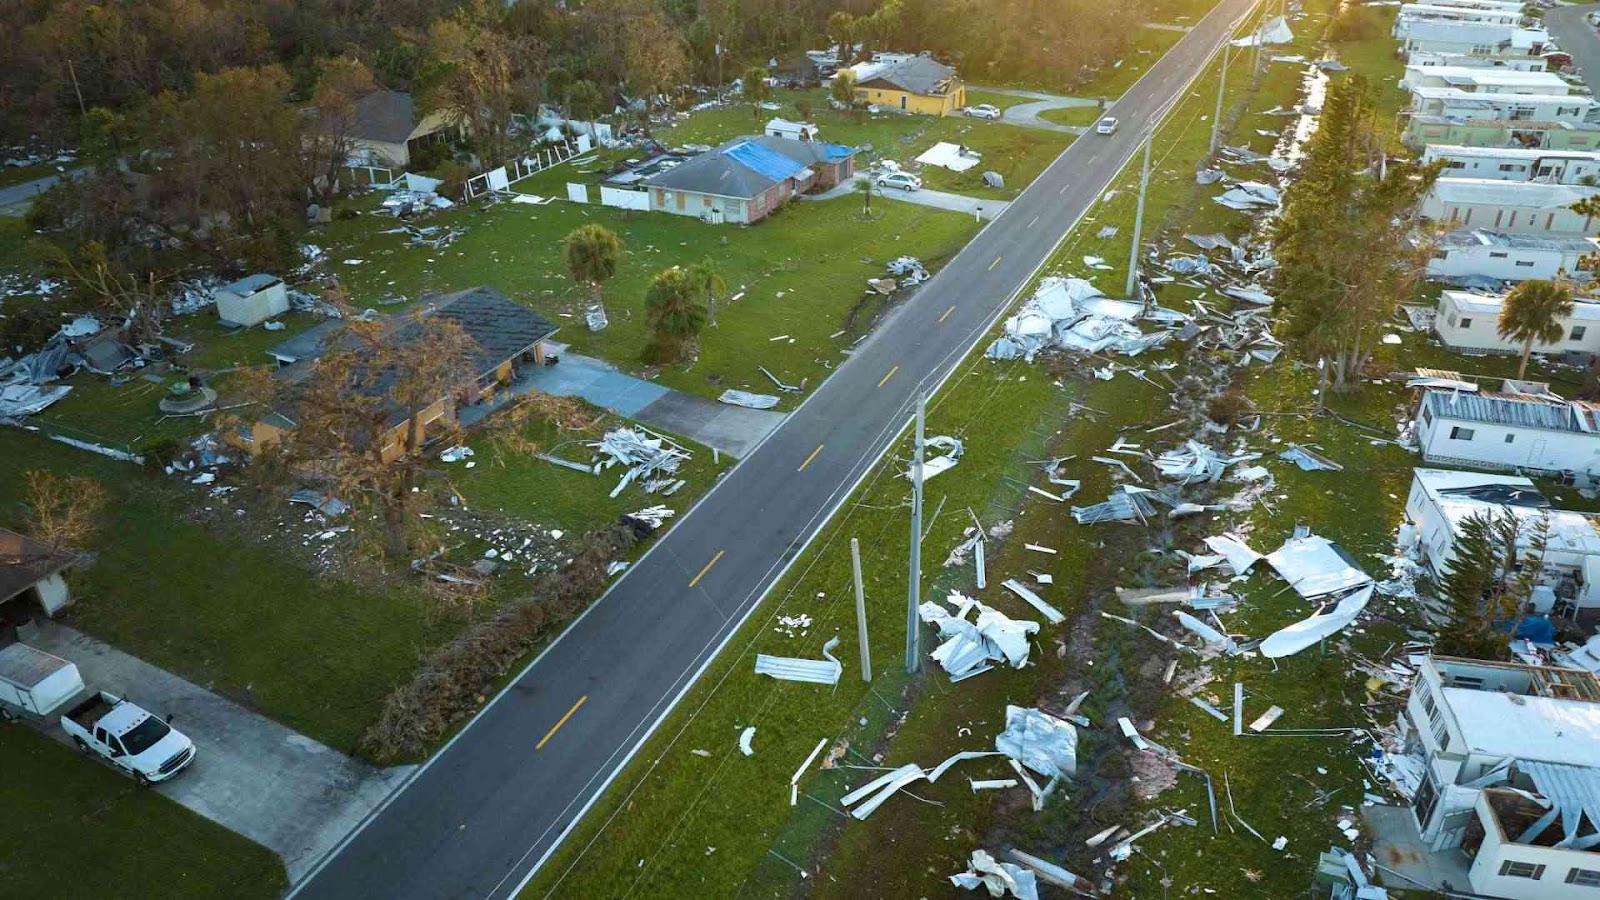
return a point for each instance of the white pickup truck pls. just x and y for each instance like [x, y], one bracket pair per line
[129, 737]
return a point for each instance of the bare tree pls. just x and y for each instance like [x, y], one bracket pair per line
[64, 510]
[358, 413]
[341, 83]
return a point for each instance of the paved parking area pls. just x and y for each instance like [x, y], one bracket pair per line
[281, 789]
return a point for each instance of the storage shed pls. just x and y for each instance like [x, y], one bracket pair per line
[252, 300]
[36, 682]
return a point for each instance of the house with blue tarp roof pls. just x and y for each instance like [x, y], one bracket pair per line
[745, 179]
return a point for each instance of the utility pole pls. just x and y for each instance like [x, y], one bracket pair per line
[914, 590]
[1222, 87]
[73, 71]
[1138, 219]
[719, 65]
[861, 612]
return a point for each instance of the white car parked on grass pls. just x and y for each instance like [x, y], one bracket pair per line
[1108, 125]
[905, 181]
[983, 111]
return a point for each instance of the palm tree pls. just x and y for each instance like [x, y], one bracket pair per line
[1532, 313]
[672, 307]
[591, 254]
[865, 188]
[709, 282]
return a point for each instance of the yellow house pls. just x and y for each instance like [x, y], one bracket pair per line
[916, 85]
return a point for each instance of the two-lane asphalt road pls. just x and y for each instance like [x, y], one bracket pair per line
[485, 812]
[1570, 27]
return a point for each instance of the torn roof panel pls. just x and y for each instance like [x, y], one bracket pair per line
[1317, 567]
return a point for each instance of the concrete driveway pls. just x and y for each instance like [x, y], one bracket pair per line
[961, 203]
[275, 786]
[1026, 115]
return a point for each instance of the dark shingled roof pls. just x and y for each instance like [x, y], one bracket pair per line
[919, 75]
[25, 562]
[385, 116]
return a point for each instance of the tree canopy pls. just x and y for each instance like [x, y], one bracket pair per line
[1532, 313]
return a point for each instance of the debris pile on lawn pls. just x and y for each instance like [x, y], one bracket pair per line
[1250, 195]
[1072, 314]
[970, 648]
[748, 400]
[1195, 462]
[650, 458]
[998, 878]
[934, 465]
[909, 270]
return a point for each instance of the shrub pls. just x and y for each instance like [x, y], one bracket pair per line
[1227, 408]
[453, 681]
[1355, 23]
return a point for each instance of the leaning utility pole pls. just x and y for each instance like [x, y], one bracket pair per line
[1222, 87]
[861, 612]
[914, 590]
[1138, 220]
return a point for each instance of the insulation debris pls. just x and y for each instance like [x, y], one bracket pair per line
[814, 671]
[944, 462]
[749, 400]
[970, 648]
[1249, 195]
[1039, 741]
[1309, 460]
[745, 737]
[998, 878]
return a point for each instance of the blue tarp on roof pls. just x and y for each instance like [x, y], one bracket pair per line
[762, 161]
[838, 152]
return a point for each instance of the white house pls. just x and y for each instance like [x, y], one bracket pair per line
[1507, 5]
[1441, 501]
[1513, 207]
[1516, 163]
[1413, 13]
[1476, 255]
[252, 299]
[1455, 103]
[1466, 60]
[1467, 321]
[1476, 39]
[1508, 431]
[1484, 80]
[1510, 765]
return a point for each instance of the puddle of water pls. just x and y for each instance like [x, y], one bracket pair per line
[1313, 93]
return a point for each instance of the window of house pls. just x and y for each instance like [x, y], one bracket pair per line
[1441, 254]
[1511, 438]
[1578, 332]
[1455, 164]
[1426, 799]
[1427, 417]
[1513, 869]
[1471, 681]
[1441, 733]
[1466, 322]
[1457, 433]
[1512, 167]
[1498, 254]
[1584, 877]
[1524, 263]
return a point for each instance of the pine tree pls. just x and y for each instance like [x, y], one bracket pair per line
[1488, 578]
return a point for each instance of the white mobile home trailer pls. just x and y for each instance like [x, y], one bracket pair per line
[1473, 39]
[1514, 207]
[1413, 13]
[1442, 500]
[1455, 103]
[1477, 254]
[1508, 432]
[1467, 321]
[1427, 58]
[1516, 163]
[1485, 80]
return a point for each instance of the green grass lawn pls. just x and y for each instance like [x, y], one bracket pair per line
[228, 613]
[79, 829]
[978, 97]
[1112, 80]
[799, 276]
[1073, 115]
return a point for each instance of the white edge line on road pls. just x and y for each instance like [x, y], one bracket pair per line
[799, 552]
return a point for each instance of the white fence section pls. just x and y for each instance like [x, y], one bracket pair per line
[381, 177]
[501, 178]
[623, 199]
[578, 193]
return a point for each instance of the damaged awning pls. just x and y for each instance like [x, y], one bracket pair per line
[1316, 567]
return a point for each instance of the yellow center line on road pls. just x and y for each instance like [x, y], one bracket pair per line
[810, 458]
[995, 263]
[946, 314]
[557, 726]
[888, 376]
[707, 568]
